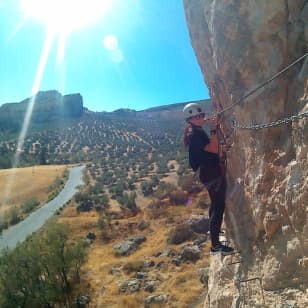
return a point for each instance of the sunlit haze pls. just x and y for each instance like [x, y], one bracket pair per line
[65, 16]
[115, 53]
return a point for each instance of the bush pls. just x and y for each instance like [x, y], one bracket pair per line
[164, 190]
[156, 209]
[147, 188]
[181, 170]
[12, 216]
[128, 201]
[133, 266]
[186, 182]
[101, 223]
[190, 183]
[30, 205]
[3, 224]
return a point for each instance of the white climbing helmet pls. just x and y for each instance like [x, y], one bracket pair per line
[192, 109]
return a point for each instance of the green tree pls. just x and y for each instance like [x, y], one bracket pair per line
[41, 271]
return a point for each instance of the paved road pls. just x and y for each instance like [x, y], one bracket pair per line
[34, 221]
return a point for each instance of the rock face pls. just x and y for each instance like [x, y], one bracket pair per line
[240, 44]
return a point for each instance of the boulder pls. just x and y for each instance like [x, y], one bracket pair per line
[82, 301]
[199, 223]
[204, 275]
[142, 225]
[157, 299]
[190, 253]
[160, 264]
[149, 263]
[200, 240]
[129, 246]
[180, 234]
[141, 275]
[115, 271]
[150, 285]
[176, 261]
[130, 286]
[168, 253]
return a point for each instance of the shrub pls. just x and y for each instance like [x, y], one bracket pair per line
[190, 183]
[128, 201]
[30, 205]
[101, 223]
[181, 170]
[178, 197]
[133, 266]
[163, 190]
[147, 188]
[12, 216]
[156, 209]
[3, 224]
[186, 182]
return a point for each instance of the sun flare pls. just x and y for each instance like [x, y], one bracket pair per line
[65, 15]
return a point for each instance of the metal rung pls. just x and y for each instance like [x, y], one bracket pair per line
[233, 253]
[250, 279]
[236, 262]
[261, 287]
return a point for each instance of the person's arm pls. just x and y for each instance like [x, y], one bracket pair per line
[213, 146]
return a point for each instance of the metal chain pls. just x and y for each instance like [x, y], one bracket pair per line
[271, 124]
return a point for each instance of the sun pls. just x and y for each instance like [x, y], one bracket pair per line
[64, 16]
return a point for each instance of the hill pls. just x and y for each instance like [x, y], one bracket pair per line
[72, 134]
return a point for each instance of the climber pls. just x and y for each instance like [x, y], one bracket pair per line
[203, 155]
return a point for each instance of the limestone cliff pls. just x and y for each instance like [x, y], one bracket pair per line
[239, 44]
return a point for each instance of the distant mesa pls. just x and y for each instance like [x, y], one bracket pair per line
[49, 105]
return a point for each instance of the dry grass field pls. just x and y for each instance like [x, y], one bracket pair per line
[21, 184]
[181, 282]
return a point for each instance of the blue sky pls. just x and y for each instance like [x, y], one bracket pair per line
[135, 55]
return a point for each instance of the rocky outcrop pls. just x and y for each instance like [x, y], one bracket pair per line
[48, 106]
[129, 246]
[239, 44]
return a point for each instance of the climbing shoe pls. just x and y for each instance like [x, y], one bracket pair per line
[223, 249]
[221, 232]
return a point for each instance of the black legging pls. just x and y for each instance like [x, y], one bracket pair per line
[215, 182]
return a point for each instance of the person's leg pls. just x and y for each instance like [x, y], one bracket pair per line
[220, 200]
[217, 196]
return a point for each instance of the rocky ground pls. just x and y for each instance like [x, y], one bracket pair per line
[143, 261]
